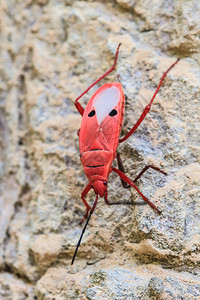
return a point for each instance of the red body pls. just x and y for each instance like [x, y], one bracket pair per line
[99, 134]
[99, 137]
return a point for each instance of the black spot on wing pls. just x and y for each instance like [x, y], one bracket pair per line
[113, 113]
[92, 113]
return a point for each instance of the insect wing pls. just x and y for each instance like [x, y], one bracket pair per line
[102, 119]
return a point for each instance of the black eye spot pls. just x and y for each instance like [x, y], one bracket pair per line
[113, 113]
[92, 113]
[105, 183]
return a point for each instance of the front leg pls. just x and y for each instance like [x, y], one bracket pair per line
[84, 193]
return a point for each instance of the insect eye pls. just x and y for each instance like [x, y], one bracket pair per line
[105, 183]
[92, 113]
[113, 113]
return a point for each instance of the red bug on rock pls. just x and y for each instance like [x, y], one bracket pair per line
[99, 138]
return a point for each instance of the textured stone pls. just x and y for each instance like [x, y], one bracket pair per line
[46, 249]
[143, 282]
[13, 288]
[51, 51]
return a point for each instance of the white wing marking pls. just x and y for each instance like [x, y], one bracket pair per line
[105, 101]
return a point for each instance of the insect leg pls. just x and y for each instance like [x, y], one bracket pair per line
[77, 104]
[84, 193]
[145, 169]
[79, 241]
[121, 168]
[148, 107]
[125, 178]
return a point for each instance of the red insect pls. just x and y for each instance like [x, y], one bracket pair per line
[99, 138]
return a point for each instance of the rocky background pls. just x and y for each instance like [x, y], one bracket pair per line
[50, 52]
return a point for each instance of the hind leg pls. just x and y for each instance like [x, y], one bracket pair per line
[77, 104]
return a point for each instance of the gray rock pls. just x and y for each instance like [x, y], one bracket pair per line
[51, 51]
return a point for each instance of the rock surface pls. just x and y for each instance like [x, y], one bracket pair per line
[50, 52]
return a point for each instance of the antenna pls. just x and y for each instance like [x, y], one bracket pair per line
[79, 241]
